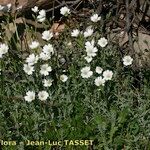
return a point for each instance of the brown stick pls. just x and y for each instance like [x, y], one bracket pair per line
[128, 26]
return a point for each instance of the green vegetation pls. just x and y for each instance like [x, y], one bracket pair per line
[115, 114]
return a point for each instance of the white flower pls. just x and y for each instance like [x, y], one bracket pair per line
[127, 60]
[47, 35]
[47, 83]
[86, 73]
[43, 95]
[95, 18]
[30, 96]
[75, 33]
[48, 49]
[3, 49]
[34, 45]
[9, 6]
[32, 59]
[69, 44]
[98, 70]
[63, 78]
[88, 32]
[90, 49]
[65, 11]
[40, 19]
[19, 7]
[35, 9]
[88, 59]
[45, 56]
[1, 7]
[42, 15]
[45, 69]
[102, 42]
[99, 81]
[107, 74]
[28, 69]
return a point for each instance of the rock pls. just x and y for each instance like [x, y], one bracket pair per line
[142, 49]
[141, 46]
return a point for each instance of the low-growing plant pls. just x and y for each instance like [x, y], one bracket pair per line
[72, 85]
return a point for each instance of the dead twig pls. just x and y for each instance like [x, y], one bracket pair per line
[129, 26]
[63, 3]
[99, 8]
[30, 22]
